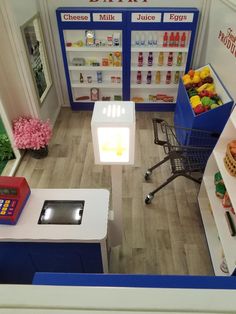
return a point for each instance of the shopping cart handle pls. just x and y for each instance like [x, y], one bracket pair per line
[155, 122]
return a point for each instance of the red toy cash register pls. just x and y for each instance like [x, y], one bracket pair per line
[14, 193]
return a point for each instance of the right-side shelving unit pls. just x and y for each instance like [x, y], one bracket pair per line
[221, 243]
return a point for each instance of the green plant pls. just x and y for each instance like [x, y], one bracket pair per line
[6, 151]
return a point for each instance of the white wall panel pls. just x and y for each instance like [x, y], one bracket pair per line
[221, 42]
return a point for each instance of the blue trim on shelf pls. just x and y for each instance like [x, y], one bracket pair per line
[137, 281]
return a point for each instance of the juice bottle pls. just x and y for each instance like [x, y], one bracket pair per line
[177, 39]
[158, 77]
[149, 77]
[170, 59]
[172, 39]
[140, 59]
[177, 75]
[179, 59]
[150, 40]
[143, 42]
[183, 40]
[81, 78]
[168, 77]
[150, 59]
[160, 58]
[165, 39]
[137, 39]
[139, 77]
[110, 59]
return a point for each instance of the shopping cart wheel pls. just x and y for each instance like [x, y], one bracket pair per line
[149, 198]
[148, 175]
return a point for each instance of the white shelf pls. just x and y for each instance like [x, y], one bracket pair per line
[157, 68]
[86, 49]
[229, 181]
[228, 242]
[95, 84]
[233, 119]
[95, 68]
[155, 86]
[212, 236]
[157, 49]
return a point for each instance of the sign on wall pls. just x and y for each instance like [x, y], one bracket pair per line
[221, 43]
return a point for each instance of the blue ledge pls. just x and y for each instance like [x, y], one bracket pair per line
[138, 281]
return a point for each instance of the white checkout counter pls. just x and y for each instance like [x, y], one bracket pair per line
[32, 247]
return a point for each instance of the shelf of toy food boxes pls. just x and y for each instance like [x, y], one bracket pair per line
[158, 49]
[213, 213]
[218, 235]
[94, 68]
[101, 49]
[212, 120]
[155, 86]
[90, 85]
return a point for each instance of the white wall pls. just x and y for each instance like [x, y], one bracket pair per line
[54, 4]
[222, 55]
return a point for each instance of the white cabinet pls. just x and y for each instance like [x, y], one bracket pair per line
[221, 243]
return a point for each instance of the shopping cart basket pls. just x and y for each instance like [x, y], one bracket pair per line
[187, 150]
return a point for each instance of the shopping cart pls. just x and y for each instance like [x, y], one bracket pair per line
[187, 150]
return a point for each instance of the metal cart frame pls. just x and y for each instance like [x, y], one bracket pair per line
[187, 150]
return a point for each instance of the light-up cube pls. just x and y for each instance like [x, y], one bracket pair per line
[113, 132]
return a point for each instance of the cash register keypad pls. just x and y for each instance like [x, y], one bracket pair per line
[7, 207]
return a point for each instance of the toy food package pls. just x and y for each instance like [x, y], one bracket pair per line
[94, 94]
[218, 178]
[90, 37]
[220, 190]
[226, 200]
[116, 39]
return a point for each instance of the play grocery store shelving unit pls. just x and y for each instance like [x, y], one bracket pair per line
[221, 243]
[126, 54]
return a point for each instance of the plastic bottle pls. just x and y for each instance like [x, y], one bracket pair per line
[81, 78]
[158, 77]
[150, 39]
[137, 39]
[149, 77]
[110, 59]
[140, 59]
[143, 42]
[150, 59]
[170, 59]
[168, 77]
[183, 40]
[139, 77]
[154, 40]
[165, 39]
[177, 75]
[172, 39]
[177, 39]
[160, 58]
[179, 59]
[99, 77]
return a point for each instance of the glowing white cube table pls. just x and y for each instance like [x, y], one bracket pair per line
[113, 132]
